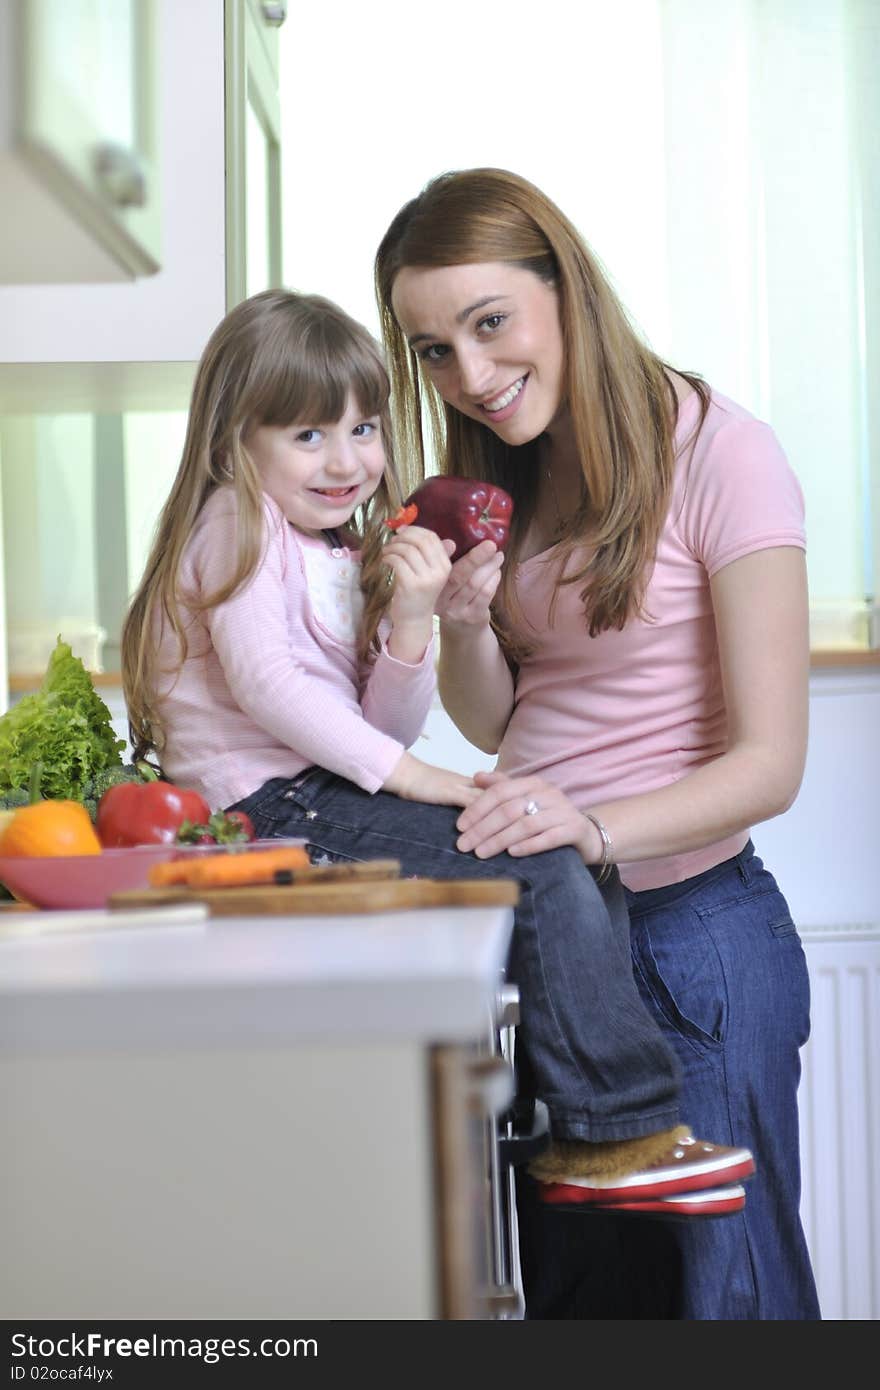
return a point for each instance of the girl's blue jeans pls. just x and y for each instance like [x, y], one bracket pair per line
[721, 968]
[586, 1044]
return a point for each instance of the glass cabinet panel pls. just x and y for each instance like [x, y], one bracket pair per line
[253, 137]
[86, 124]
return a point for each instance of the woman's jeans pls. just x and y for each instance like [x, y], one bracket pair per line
[586, 1044]
[720, 965]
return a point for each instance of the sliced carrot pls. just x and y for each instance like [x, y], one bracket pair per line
[170, 874]
[404, 516]
[258, 866]
[230, 868]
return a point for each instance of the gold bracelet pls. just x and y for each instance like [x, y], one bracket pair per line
[607, 863]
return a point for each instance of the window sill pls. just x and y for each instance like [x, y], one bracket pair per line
[843, 657]
[26, 685]
[821, 659]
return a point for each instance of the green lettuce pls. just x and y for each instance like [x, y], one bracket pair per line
[65, 727]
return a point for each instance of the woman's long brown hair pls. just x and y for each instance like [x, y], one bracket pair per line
[621, 398]
[276, 358]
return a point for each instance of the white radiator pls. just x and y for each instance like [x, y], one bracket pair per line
[840, 1119]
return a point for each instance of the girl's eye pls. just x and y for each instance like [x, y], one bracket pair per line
[308, 436]
[365, 429]
[434, 354]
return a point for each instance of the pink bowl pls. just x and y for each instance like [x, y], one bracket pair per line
[80, 880]
[88, 880]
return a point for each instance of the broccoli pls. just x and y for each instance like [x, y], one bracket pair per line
[94, 789]
[12, 799]
[91, 791]
[89, 794]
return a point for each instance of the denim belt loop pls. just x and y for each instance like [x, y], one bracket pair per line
[745, 862]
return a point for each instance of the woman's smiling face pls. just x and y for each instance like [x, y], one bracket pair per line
[489, 338]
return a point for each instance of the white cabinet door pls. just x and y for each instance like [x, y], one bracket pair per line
[81, 142]
[133, 345]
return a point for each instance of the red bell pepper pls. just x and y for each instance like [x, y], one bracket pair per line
[146, 813]
[463, 510]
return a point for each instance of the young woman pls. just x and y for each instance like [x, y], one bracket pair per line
[261, 664]
[639, 664]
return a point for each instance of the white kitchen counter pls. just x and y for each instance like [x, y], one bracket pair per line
[239, 1118]
[424, 974]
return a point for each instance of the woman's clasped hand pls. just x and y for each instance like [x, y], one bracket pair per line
[524, 815]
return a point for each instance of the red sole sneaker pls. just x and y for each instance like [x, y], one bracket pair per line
[691, 1167]
[712, 1201]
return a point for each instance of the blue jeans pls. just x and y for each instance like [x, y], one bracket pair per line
[720, 965]
[586, 1044]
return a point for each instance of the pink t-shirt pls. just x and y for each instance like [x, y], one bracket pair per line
[627, 712]
[271, 684]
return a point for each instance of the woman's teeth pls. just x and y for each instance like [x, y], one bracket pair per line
[509, 395]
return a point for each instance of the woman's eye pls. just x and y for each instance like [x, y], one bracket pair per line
[434, 354]
[492, 321]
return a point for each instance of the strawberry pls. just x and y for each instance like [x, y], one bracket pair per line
[221, 828]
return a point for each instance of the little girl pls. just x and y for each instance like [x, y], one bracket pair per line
[278, 657]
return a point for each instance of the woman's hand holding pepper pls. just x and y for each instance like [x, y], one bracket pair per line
[472, 584]
[470, 656]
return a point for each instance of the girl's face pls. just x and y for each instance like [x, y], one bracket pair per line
[489, 338]
[318, 473]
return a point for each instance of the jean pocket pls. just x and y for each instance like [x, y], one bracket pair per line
[683, 977]
[783, 926]
[327, 854]
[279, 807]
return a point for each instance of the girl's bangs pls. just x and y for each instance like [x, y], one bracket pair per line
[312, 382]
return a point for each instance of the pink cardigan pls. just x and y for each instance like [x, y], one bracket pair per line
[271, 683]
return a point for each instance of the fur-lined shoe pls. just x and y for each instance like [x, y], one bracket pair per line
[708, 1201]
[657, 1166]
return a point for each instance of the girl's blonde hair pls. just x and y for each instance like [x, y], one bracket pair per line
[275, 359]
[620, 396]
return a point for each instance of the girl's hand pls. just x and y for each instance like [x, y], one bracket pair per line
[497, 820]
[471, 587]
[417, 781]
[421, 566]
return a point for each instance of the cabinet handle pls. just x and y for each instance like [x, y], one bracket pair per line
[507, 1005]
[274, 12]
[121, 176]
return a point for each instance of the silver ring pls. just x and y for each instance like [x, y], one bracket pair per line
[532, 808]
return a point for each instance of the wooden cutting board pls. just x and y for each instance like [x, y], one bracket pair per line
[326, 889]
